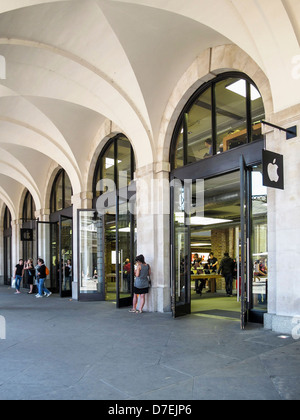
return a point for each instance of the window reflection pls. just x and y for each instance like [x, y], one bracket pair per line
[218, 120]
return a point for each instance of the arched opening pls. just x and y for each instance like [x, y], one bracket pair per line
[107, 232]
[219, 203]
[55, 238]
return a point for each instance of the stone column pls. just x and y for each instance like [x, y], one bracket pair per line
[284, 230]
[153, 231]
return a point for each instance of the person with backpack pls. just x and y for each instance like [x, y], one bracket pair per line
[42, 274]
[227, 268]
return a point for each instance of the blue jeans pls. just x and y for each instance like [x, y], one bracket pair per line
[42, 288]
[18, 282]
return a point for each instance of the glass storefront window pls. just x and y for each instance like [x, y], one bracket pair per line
[231, 114]
[179, 162]
[259, 241]
[223, 114]
[199, 129]
[108, 164]
[115, 166]
[91, 254]
[61, 192]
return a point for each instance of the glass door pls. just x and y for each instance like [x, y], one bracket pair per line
[180, 254]
[47, 249]
[111, 259]
[65, 256]
[91, 256]
[245, 242]
[125, 239]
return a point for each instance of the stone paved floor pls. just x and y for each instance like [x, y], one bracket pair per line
[67, 350]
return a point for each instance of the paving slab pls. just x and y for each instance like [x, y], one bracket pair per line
[62, 349]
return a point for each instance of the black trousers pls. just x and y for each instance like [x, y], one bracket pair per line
[229, 281]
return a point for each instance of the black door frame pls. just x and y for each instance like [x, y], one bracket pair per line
[242, 159]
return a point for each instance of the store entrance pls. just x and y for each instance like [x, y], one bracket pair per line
[54, 245]
[220, 232]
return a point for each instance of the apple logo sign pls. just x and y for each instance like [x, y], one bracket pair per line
[273, 171]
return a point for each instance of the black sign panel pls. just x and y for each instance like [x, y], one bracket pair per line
[27, 235]
[273, 171]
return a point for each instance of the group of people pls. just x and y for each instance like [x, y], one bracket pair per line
[27, 269]
[227, 268]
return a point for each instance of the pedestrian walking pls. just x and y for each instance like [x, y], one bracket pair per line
[41, 272]
[227, 268]
[18, 275]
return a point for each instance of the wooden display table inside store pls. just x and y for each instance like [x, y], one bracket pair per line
[211, 277]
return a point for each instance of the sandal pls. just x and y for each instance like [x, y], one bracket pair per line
[133, 310]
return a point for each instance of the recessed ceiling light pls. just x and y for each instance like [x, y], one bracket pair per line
[239, 88]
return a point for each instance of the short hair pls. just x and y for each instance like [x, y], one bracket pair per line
[41, 260]
[140, 258]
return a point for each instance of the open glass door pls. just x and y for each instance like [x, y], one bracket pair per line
[91, 256]
[65, 256]
[245, 266]
[180, 261]
[125, 247]
[47, 249]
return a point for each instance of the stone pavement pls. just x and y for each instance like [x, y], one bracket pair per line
[60, 349]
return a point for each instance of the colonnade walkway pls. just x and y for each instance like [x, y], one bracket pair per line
[61, 349]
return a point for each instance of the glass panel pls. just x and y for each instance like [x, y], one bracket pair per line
[124, 162]
[125, 263]
[257, 113]
[181, 247]
[91, 257]
[215, 232]
[259, 241]
[68, 192]
[108, 164]
[47, 250]
[199, 127]
[231, 112]
[179, 148]
[66, 255]
[59, 192]
[110, 256]
[7, 260]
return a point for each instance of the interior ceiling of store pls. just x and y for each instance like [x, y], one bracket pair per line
[73, 65]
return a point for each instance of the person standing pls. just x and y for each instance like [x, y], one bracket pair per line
[30, 275]
[227, 268]
[141, 283]
[18, 275]
[212, 262]
[41, 272]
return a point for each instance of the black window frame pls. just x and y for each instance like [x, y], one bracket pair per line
[182, 123]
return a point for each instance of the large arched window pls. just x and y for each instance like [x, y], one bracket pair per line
[115, 163]
[223, 114]
[61, 192]
[107, 233]
[28, 208]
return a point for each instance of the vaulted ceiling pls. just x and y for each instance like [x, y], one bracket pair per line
[68, 67]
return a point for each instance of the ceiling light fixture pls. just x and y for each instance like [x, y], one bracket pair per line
[239, 88]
